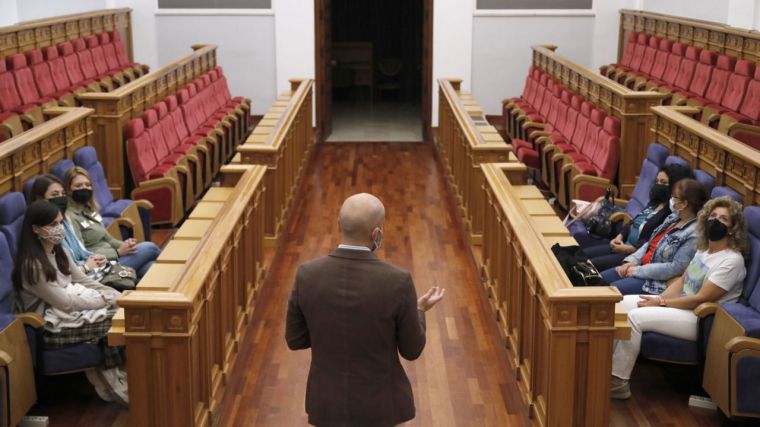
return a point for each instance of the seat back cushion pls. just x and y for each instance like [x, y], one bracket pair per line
[60, 168]
[661, 58]
[704, 178]
[751, 291]
[12, 210]
[656, 155]
[737, 85]
[87, 157]
[27, 89]
[703, 72]
[751, 104]
[57, 68]
[6, 269]
[719, 80]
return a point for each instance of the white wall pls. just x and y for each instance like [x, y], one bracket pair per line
[501, 51]
[710, 10]
[294, 41]
[246, 49]
[9, 15]
[452, 44]
[36, 9]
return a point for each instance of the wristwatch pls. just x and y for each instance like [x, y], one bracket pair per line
[662, 302]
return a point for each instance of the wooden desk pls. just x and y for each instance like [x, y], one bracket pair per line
[550, 226]
[160, 277]
[116, 333]
[17, 359]
[622, 327]
[525, 192]
[193, 229]
[562, 240]
[206, 210]
[177, 252]
[538, 207]
[218, 194]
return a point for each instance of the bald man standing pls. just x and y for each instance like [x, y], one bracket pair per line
[358, 313]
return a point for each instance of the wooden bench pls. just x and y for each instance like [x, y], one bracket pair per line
[283, 141]
[559, 337]
[462, 146]
[184, 324]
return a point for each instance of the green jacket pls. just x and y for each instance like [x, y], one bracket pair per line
[89, 227]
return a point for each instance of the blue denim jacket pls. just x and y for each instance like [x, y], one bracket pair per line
[670, 258]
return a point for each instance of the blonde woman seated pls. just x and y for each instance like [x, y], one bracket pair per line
[715, 274]
[83, 214]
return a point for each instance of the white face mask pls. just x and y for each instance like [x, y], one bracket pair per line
[673, 206]
[378, 240]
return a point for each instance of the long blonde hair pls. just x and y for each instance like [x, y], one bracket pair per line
[737, 233]
[69, 178]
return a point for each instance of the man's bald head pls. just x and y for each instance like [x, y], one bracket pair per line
[359, 216]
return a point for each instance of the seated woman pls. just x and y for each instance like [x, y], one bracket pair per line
[83, 214]
[659, 194]
[715, 274]
[50, 188]
[669, 249]
[636, 233]
[76, 308]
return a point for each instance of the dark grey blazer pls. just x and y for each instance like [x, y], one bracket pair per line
[357, 313]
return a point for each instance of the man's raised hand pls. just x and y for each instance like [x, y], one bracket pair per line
[431, 298]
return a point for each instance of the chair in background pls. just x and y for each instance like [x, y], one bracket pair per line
[389, 76]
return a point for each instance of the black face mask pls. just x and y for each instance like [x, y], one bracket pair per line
[83, 195]
[716, 230]
[659, 193]
[61, 202]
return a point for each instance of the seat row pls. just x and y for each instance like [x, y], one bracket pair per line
[726, 90]
[574, 144]
[54, 75]
[177, 147]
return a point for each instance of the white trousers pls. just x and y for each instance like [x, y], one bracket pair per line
[674, 322]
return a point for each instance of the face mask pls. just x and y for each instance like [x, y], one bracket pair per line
[715, 229]
[53, 234]
[61, 202]
[658, 193]
[673, 206]
[378, 241]
[83, 195]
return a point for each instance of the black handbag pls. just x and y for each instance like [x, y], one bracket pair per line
[599, 224]
[576, 265]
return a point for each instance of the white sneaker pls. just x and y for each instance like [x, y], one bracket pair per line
[117, 382]
[101, 387]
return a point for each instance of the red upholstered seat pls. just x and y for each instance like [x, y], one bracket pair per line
[751, 105]
[10, 100]
[737, 85]
[42, 76]
[99, 60]
[585, 168]
[724, 66]
[24, 78]
[109, 52]
[160, 148]
[73, 68]
[673, 65]
[642, 42]
[85, 59]
[140, 156]
[702, 73]
[58, 70]
[687, 68]
[661, 59]
[606, 155]
[121, 53]
[625, 61]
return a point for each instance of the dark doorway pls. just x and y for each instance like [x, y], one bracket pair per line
[374, 64]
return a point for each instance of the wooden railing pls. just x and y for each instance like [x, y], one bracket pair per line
[731, 162]
[464, 141]
[737, 42]
[184, 324]
[282, 141]
[114, 109]
[631, 107]
[33, 152]
[559, 337]
[39, 33]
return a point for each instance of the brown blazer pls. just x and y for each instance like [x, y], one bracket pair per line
[357, 313]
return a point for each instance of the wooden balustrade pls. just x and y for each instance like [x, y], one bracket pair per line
[184, 324]
[282, 141]
[39, 33]
[113, 110]
[33, 152]
[631, 107]
[731, 162]
[464, 141]
[737, 42]
[559, 337]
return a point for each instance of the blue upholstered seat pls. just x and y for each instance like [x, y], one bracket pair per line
[726, 191]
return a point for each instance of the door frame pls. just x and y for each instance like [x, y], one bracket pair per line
[322, 130]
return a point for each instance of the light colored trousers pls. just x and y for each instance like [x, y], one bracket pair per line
[674, 322]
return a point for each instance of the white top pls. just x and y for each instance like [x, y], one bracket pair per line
[723, 268]
[354, 248]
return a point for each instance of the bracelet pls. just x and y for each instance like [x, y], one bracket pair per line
[663, 303]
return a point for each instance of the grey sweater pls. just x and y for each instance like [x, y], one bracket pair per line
[41, 294]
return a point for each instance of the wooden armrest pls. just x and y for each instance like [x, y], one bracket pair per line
[706, 309]
[5, 358]
[620, 216]
[737, 344]
[126, 222]
[32, 319]
[535, 125]
[143, 203]
[743, 128]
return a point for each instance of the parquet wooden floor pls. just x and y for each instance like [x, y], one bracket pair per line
[462, 378]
